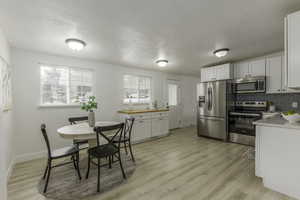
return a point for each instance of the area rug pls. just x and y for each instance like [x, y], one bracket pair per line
[65, 185]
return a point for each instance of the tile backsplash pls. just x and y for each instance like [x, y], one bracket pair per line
[283, 102]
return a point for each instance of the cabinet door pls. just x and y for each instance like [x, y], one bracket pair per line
[164, 126]
[204, 75]
[212, 73]
[241, 69]
[141, 130]
[284, 82]
[293, 49]
[258, 67]
[155, 127]
[223, 72]
[273, 73]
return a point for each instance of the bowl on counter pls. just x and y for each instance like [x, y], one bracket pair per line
[291, 118]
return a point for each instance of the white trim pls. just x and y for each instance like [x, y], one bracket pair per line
[30, 156]
[9, 170]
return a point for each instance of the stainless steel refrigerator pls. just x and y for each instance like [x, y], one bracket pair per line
[211, 112]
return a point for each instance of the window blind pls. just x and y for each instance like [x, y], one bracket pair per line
[137, 89]
[65, 85]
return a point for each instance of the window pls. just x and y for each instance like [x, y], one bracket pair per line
[172, 91]
[137, 89]
[65, 85]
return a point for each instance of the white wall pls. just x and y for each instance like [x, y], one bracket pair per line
[108, 91]
[6, 129]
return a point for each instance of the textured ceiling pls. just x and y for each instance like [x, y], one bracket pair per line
[138, 32]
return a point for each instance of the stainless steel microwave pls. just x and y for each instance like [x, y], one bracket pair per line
[254, 84]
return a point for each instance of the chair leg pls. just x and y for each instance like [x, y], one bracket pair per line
[122, 169]
[89, 165]
[48, 176]
[110, 160]
[98, 182]
[74, 162]
[125, 147]
[130, 149]
[77, 164]
[46, 170]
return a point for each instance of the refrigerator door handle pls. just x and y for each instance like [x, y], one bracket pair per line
[212, 118]
[209, 98]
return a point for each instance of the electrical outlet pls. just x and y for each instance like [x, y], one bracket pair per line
[295, 104]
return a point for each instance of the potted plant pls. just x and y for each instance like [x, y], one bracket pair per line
[90, 105]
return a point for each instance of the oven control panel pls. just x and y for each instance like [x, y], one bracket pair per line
[251, 103]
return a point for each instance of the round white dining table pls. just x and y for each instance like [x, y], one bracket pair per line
[83, 131]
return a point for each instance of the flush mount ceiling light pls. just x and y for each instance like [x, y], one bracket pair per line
[162, 63]
[221, 52]
[75, 44]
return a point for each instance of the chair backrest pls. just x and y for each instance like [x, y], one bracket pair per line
[44, 132]
[128, 126]
[115, 131]
[74, 120]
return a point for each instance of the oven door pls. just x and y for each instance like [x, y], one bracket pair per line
[242, 123]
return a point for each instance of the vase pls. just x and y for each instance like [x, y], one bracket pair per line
[91, 118]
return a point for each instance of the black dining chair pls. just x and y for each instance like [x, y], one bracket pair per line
[82, 144]
[126, 138]
[71, 151]
[109, 150]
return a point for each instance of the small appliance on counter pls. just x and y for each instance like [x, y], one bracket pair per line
[272, 107]
[241, 118]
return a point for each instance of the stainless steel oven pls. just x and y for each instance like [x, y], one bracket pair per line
[241, 127]
[255, 84]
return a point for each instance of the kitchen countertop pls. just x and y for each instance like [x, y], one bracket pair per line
[142, 111]
[277, 121]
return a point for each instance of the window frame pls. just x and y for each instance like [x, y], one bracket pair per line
[139, 76]
[68, 89]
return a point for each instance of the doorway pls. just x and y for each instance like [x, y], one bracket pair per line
[173, 90]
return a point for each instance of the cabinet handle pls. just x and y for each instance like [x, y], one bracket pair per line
[141, 121]
[278, 90]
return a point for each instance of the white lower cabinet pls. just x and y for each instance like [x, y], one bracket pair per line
[148, 125]
[141, 130]
[160, 126]
[164, 126]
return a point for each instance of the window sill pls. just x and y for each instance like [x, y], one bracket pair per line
[136, 104]
[59, 106]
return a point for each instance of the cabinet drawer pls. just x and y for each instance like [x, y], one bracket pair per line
[160, 115]
[141, 116]
[141, 130]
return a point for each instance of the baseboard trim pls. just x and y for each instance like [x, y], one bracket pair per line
[30, 156]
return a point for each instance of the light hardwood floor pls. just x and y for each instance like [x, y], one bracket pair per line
[179, 166]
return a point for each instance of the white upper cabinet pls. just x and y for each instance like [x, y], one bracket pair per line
[220, 72]
[241, 69]
[224, 72]
[292, 49]
[211, 74]
[257, 67]
[274, 74]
